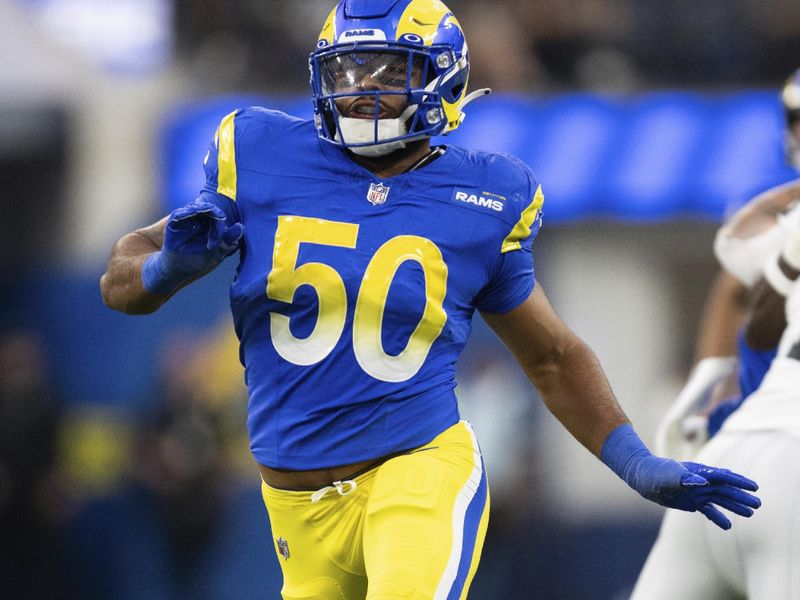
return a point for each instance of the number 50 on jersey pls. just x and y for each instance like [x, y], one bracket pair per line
[286, 276]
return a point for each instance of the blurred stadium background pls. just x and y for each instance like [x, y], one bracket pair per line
[124, 466]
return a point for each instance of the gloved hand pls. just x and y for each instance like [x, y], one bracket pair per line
[195, 242]
[686, 486]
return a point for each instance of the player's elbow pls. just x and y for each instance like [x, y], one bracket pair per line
[107, 292]
[560, 358]
[547, 364]
[110, 293]
[119, 297]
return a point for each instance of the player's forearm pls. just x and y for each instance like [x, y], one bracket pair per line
[723, 315]
[575, 389]
[767, 319]
[121, 284]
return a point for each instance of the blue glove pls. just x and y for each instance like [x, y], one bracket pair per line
[195, 242]
[686, 486]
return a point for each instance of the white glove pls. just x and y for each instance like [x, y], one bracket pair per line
[683, 429]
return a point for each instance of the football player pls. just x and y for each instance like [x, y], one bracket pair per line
[760, 430]
[363, 254]
[763, 437]
[742, 246]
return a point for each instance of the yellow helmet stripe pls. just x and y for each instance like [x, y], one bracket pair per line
[523, 227]
[226, 158]
[328, 32]
[422, 18]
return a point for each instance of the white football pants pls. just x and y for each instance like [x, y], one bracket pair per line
[759, 558]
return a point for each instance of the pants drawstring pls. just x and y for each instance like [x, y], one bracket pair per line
[348, 486]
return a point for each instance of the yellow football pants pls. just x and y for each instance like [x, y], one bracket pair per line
[411, 528]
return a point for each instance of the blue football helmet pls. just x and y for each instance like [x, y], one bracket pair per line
[790, 99]
[369, 54]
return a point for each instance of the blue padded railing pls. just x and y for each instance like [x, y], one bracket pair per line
[649, 157]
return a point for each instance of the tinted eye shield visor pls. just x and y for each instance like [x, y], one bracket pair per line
[361, 68]
[368, 74]
[357, 71]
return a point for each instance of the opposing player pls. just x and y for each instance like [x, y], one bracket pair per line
[763, 437]
[364, 252]
[742, 246]
[760, 246]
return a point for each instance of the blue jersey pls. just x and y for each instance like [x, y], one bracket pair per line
[753, 365]
[354, 294]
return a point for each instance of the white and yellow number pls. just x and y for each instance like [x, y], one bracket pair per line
[286, 277]
[371, 303]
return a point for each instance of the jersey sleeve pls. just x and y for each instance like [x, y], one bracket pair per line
[512, 276]
[220, 169]
[243, 142]
[511, 283]
[528, 214]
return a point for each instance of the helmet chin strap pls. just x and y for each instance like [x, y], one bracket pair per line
[362, 131]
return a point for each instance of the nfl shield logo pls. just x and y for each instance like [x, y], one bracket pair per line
[283, 548]
[377, 193]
